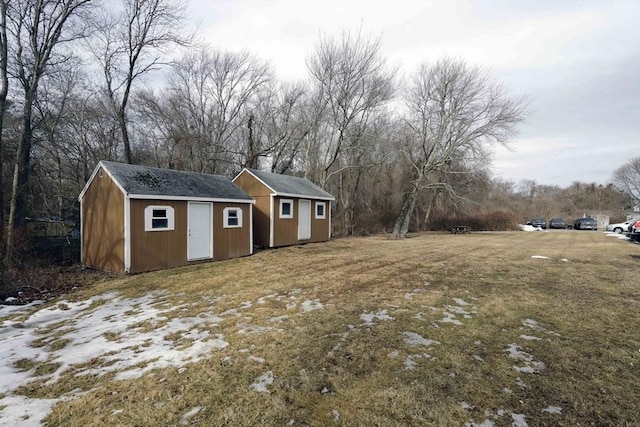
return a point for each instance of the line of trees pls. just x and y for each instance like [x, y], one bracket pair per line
[89, 80]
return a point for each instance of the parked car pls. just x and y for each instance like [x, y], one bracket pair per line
[557, 223]
[538, 222]
[635, 227]
[622, 226]
[585, 223]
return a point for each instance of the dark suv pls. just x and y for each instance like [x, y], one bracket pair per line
[538, 222]
[585, 224]
[557, 223]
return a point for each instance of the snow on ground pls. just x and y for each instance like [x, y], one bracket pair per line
[260, 384]
[311, 305]
[368, 318]
[525, 227]
[540, 257]
[531, 366]
[620, 236]
[127, 336]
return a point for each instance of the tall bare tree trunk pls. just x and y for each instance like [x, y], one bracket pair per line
[4, 90]
[18, 202]
[401, 227]
[122, 121]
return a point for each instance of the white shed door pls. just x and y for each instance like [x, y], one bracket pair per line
[304, 219]
[199, 231]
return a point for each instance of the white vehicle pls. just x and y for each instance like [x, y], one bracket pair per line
[622, 226]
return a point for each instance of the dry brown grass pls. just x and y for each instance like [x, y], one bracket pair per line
[331, 367]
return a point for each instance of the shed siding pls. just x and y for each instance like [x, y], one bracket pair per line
[103, 225]
[285, 229]
[320, 227]
[155, 250]
[261, 210]
[231, 242]
[261, 221]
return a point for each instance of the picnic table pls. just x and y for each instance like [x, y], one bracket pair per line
[464, 229]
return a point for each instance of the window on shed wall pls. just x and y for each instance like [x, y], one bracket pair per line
[321, 210]
[158, 218]
[286, 208]
[232, 218]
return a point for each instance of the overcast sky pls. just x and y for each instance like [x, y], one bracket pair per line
[578, 62]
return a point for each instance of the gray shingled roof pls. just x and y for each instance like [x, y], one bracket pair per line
[287, 184]
[146, 180]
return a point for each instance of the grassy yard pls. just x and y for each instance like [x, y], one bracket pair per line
[439, 329]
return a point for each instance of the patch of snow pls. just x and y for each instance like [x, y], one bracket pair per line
[457, 310]
[478, 358]
[518, 420]
[409, 361]
[450, 318]
[506, 390]
[537, 326]
[244, 328]
[414, 339]
[184, 419]
[324, 390]
[117, 411]
[256, 359]
[530, 366]
[394, 353]
[485, 423]
[530, 338]
[368, 318]
[564, 260]
[465, 405]
[6, 310]
[24, 411]
[461, 302]
[336, 415]
[278, 319]
[553, 410]
[533, 324]
[309, 305]
[260, 384]
[540, 257]
[122, 335]
[526, 227]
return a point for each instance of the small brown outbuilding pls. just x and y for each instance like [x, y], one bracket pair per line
[288, 209]
[137, 218]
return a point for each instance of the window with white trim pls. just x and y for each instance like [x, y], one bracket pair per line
[321, 208]
[286, 208]
[232, 218]
[158, 218]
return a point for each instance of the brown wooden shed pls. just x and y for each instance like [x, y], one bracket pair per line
[288, 209]
[138, 218]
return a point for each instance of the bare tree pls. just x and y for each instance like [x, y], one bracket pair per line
[352, 85]
[37, 28]
[4, 90]
[129, 45]
[627, 178]
[207, 114]
[453, 113]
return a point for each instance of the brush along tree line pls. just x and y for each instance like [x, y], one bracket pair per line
[89, 80]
